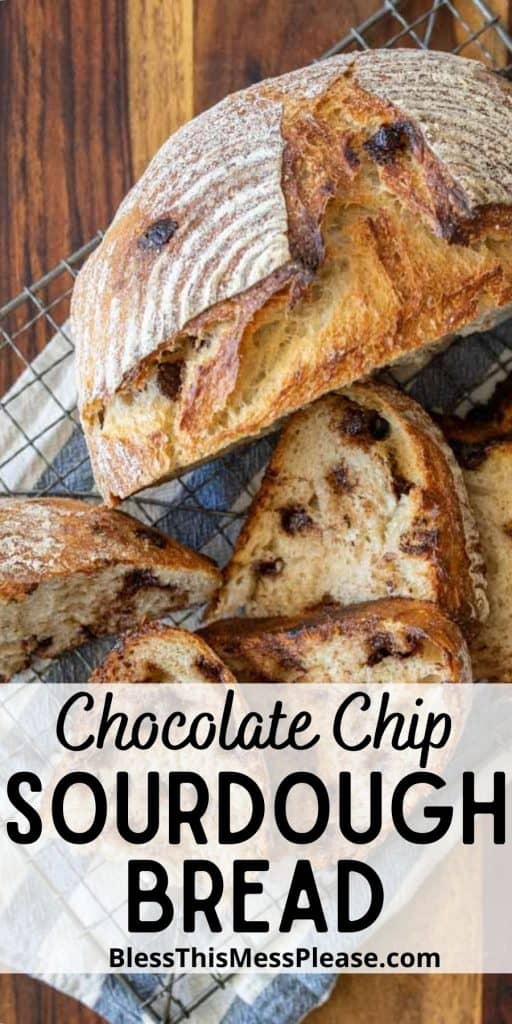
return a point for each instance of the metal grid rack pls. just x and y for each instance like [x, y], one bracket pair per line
[43, 382]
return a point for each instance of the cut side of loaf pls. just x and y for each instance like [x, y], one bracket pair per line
[287, 242]
[362, 499]
[388, 641]
[70, 571]
[483, 445]
[161, 654]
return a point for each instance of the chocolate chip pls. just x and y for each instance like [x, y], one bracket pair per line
[354, 421]
[389, 140]
[211, 669]
[470, 454]
[151, 536]
[379, 427]
[339, 478]
[357, 421]
[86, 634]
[158, 234]
[137, 579]
[419, 541]
[268, 566]
[43, 645]
[294, 519]
[401, 485]
[168, 378]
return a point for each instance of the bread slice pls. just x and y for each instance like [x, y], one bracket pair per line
[394, 640]
[70, 571]
[362, 499]
[161, 654]
[288, 241]
[483, 445]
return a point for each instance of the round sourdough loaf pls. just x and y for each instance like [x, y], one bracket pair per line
[287, 242]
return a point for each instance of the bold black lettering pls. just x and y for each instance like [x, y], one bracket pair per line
[242, 888]
[303, 881]
[178, 816]
[100, 807]
[444, 815]
[322, 797]
[345, 802]
[338, 721]
[88, 702]
[471, 807]
[150, 830]
[346, 923]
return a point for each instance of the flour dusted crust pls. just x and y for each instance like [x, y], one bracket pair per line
[285, 243]
[70, 571]
[483, 445]
[386, 641]
[362, 499]
[158, 653]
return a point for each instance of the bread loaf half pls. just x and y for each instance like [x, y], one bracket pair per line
[70, 571]
[362, 499]
[161, 654]
[287, 242]
[483, 445]
[393, 640]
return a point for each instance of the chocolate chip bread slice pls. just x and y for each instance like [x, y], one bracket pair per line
[158, 653]
[394, 640]
[362, 499]
[70, 571]
[483, 445]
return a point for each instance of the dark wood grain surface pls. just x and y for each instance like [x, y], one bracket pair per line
[88, 90]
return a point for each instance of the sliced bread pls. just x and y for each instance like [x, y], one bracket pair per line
[161, 654]
[394, 640]
[70, 571]
[362, 499]
[483, 445]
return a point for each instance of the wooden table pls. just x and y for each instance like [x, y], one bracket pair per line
[88, 91]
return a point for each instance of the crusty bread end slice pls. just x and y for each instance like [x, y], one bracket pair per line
[483, 445]
[70, 571]
[394, 640]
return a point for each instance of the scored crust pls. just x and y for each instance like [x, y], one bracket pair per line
[483, 445]
[158, 653]
[390, 640]
[70, 571]
[287, 242]
[362, 499]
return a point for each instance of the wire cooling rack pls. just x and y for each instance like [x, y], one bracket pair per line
[217, 495]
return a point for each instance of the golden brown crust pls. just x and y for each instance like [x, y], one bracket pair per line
[378, 184]
[132, 661]
[483, 446]
[46, 538]
[251, 642]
